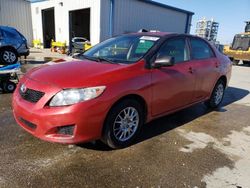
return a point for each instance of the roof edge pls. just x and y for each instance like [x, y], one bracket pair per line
[36, 1]
[166, 6]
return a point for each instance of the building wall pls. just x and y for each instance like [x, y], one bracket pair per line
[104, 24]
[129, 16]
[62, 17]
[133, 15]
[17, 14]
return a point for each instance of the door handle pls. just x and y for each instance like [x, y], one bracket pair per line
[216, 64]
[191, 70]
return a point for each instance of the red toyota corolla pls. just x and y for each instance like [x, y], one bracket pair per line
[119, 85]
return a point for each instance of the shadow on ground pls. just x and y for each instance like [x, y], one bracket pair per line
[178, 119]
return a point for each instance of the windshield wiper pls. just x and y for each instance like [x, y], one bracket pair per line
[97, 59]
[88, 57]
[100, 59]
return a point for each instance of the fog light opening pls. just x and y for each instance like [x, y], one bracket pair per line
[66, 130]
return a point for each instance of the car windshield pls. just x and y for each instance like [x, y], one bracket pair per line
[241, 42]
[79, 40]
[123, 49]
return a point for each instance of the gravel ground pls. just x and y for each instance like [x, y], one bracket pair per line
[191, 148]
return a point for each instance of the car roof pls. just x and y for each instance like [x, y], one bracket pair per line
[157, 34]
[7, 28]
[164, 34]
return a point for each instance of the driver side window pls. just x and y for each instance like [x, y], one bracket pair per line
[176, 48]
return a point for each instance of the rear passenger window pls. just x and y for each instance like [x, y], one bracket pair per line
[1, 35]
[11, 34]
[175, 48]
[200, 49]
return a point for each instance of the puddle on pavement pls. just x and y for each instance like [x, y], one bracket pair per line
[155, 161]
[32, 62]
[37, 60]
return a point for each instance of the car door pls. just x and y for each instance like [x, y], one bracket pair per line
[1, 37]
[173, 86]
[206, 67]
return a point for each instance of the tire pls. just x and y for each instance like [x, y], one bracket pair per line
[8, 56]
[9, 87]
[246, 62]
[217, 95]
[119, 131]
[236, 62]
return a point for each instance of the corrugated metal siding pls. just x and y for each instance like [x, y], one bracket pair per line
[132, 15]
[17, 13]
[105, 11]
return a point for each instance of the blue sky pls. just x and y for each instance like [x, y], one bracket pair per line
[231, 14]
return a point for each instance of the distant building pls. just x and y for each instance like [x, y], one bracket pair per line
[98, 20]
[207, 29]
[17, 14]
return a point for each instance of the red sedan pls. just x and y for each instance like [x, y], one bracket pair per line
[119, 85]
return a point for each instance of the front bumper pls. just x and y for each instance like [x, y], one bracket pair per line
[26, 53]
[44, 122]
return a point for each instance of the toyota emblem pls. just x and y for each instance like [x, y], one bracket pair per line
[23, 88]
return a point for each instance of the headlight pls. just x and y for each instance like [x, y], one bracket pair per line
[73, 96]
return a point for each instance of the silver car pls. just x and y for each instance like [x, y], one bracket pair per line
[12, 45]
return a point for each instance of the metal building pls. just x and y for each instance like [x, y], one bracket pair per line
[17, 14]
[207, 29]
[98, 20]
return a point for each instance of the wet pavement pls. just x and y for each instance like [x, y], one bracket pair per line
[191, 148]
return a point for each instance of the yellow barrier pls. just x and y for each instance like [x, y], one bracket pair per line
[87, 46]
[37, 44]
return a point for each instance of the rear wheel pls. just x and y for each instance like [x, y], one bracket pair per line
[217, 95]
[246, 62]
[8, 56]
[123, 124]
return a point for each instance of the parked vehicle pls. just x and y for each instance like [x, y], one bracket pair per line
[79, 45]
[120, 84]
[12, 45]
[240, 49]
[9, 78]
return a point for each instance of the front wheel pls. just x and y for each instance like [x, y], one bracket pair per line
[217, 95]
[123, 124]
[9, 87]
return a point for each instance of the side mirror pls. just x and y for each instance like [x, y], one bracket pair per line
[165, 61]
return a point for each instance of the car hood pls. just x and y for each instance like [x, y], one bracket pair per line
[76, 74]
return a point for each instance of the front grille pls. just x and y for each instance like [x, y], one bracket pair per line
[28, 124]
[31, 95]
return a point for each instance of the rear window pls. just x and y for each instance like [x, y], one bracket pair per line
[11, 33]
[200, 49]
[80, 40]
